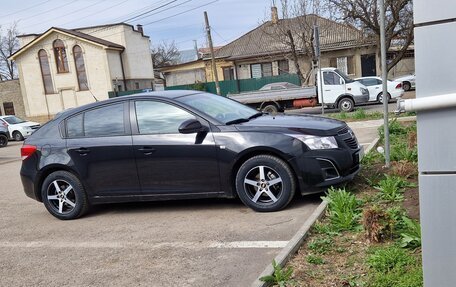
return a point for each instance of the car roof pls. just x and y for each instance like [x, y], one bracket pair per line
[146, 95]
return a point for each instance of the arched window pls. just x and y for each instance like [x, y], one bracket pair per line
[80, 68]
[45, 72]
[60, 56]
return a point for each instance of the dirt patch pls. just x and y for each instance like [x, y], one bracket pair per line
[412, 203]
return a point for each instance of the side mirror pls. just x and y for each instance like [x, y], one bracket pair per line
[341, 81]
[191, 126]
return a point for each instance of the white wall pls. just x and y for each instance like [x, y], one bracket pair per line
[66, 88]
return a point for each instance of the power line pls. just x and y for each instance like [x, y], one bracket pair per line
[73, 12]
[151, 10]
[50, 10]
[97, 12]
[180, 13]
[25, 9]
[147, 16]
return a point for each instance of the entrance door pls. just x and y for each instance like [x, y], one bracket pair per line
[368, 67]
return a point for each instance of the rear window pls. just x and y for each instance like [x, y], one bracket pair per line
[100, 122]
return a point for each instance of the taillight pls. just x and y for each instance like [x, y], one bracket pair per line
[27, 150]
[399, 86]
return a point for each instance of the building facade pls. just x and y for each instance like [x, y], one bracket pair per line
[11, 102]
[64, 68]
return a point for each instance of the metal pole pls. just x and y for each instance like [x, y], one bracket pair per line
[384, 82]
[320, 84]
[214, 67]
[318, 55]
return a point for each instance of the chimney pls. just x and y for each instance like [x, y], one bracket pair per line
[139, 28]
[274, 15]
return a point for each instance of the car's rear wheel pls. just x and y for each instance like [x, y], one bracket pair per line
[271, 109]
[265, 183]
[346, 105]
[3, 140]
[380, 97]
[406, 86]
[64, 196]
[18, 136]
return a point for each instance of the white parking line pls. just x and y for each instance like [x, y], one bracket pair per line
[143, 245]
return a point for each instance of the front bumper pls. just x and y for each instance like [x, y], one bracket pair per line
[317, 169]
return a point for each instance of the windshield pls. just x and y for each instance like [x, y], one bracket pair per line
[218, 107]
[12, 120]
[342, 74]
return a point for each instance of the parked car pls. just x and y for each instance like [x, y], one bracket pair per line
[18, 128]
[279, 86]
[374, 85]
[3, 136]
[182, 145]
[408, 82]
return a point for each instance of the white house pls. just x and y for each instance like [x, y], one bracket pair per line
[65, 68]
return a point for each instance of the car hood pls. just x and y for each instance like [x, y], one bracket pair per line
[26, 124]
[306, 124]
[406, 77]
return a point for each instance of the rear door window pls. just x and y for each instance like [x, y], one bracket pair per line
[99, 122]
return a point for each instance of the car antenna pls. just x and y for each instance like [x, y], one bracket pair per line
[96, 100]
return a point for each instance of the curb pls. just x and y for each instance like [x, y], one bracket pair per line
[295, 242]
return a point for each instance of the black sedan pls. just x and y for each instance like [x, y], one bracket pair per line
[182, 145]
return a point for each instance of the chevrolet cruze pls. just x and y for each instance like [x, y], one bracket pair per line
[182, 145]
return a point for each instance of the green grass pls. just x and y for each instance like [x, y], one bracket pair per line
[343, 209]
[316, 260]
[321, 245]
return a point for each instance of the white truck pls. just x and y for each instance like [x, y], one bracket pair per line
[339, 91]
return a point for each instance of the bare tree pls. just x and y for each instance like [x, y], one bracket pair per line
[398, 25]
[165, 54]
[9, 44]
[296, 33]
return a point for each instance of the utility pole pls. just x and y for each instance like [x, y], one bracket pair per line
[211, 47]
[384, 82]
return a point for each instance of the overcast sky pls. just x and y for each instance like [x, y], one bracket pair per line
[229, 19]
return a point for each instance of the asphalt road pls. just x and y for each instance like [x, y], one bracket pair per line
[176, 243]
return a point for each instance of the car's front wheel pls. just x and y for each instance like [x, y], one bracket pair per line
[3, 140]
[265, 183]
[64, 196]
[18, 136]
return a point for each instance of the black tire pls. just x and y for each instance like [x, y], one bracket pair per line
[274, 169]
[346, 105]
[406, 86]
[270, 109]
[56, 202]
[17, 136]
[380, 98]
[3, 140]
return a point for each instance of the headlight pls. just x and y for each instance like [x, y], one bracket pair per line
[316, 142]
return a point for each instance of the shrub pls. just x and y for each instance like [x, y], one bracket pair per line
[411, 235]
[343, 209]
[378, 224]
[391, 187]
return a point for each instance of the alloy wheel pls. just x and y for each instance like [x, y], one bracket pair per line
[263, 185]
[61, 196]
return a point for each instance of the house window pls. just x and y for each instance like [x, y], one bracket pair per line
[80, 68]
[60, 56]
[344, 64]
[228, 73]
[283, 67]
[261, 70]
[46, 72]
[136, 85]
[9, 108]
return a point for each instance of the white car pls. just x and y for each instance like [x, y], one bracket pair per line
[408, 82]
[374, 85]
[18, 129]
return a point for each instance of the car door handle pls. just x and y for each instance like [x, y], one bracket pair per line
[377, 88]
[147, 150]
[82, 151]
[327, 90]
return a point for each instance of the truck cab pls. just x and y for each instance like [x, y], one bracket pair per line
[339, 91]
